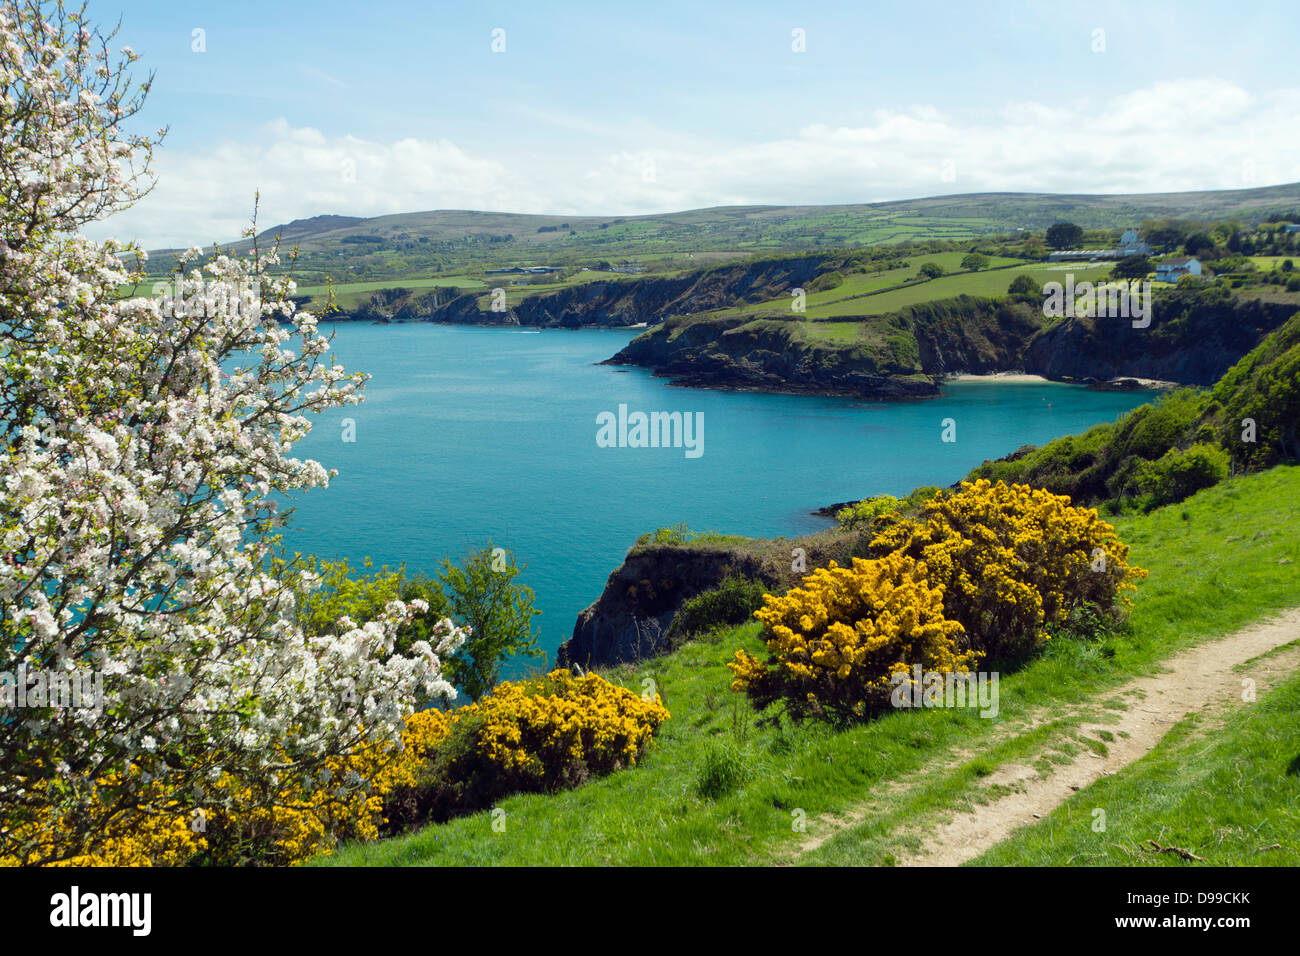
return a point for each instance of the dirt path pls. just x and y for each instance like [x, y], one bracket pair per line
[1198, 680]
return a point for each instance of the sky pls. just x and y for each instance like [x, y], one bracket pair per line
[603, 108]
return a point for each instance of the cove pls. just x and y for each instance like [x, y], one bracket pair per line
[473, 433]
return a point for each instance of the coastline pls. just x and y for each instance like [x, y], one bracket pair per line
[998, 378]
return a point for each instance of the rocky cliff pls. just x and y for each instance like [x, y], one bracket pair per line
[898, 356]
[609, 302]
[629, 621]
[1194, 337]
[772, 355]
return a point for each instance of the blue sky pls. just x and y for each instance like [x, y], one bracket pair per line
[594, 108]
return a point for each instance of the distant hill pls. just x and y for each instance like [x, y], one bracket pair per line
[309, 228]
[1001, 210]
[447, 241]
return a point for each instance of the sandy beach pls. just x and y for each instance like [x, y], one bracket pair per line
[1001, 378]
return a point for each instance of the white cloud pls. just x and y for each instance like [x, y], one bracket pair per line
[1171, 136]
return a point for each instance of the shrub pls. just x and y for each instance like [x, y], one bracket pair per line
[151, 834]
[863, 513]
[732, 602]
[678, 534]
[835, 642]
[1180, 474]
[1011, 560]
[826, 282]
[1096, 465]
[1023, 284]
[930, 270]
[544, 734]
[1265, 388]
[540, 735]
[267, 821]
[919, 496]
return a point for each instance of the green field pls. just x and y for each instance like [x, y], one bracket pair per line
[871, 790]
[1269, 263]
[347, 288]
[984, 283]
[873, 293]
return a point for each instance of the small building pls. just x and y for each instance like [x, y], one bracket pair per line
[1292, 228]
[1131, 245]
[1171, 270]
[1088, 255]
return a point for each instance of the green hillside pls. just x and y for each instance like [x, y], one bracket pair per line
[421, 245]
[719, 789]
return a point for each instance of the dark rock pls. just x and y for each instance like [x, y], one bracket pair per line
[630, 619]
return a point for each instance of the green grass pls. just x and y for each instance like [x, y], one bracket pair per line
[1216, 562]
[344, 288]
[984, 283]
[1269, 263]
[877, 293]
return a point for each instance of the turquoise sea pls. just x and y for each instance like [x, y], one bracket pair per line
[468, 434]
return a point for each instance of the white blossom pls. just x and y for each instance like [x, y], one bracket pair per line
[142, 447]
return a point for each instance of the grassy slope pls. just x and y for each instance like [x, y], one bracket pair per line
[1217, 561]
[876, 295]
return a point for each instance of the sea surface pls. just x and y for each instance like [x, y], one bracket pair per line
[470, 434]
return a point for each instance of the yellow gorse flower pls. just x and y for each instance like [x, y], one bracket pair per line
[985, 570]
[535, 730]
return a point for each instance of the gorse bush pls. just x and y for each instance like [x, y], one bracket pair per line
[982, 573]
[153, 833]
[732, 602]
[239, 824]
[835, 642]
[1012, 561]
[540, 735]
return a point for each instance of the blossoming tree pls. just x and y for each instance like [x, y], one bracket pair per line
[143, 441]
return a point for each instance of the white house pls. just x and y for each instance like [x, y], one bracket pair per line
[1171, 270]
[1131, 245]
